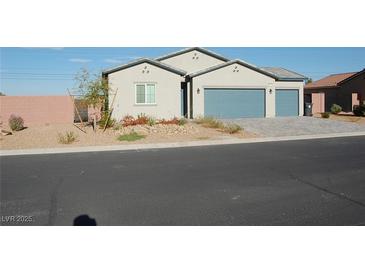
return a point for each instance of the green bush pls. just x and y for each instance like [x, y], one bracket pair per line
[16, 123]
[182, 121]
[133, 136]
[325, 115]
[232, 128]
[151, 121]
[359, 110]
[335, 109]
[104, 117]
[67, 138]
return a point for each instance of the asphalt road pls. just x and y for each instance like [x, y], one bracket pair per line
[312, 182]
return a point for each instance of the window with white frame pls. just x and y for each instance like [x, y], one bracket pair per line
[145, 93]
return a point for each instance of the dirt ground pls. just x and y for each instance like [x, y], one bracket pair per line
[345, 118]
[46, 136]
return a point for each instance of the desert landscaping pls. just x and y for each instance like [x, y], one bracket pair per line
[66, 135]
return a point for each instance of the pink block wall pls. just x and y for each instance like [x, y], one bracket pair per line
[37, 110]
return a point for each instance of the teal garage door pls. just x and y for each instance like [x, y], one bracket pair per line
[287, 102]
[234, 103]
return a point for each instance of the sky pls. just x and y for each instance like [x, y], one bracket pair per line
[51, 71]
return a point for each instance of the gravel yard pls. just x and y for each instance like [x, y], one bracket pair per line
[46, 136]
[294, 126]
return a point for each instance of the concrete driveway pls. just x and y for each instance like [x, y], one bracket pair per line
[294, 126]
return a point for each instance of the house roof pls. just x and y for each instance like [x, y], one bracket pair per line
[330, 81]
[284, 74]
[145, 60]
[351, 77]
[202, 50]
[276, 73]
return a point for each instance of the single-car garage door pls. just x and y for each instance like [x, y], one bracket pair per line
[287, 102]
[234, 103]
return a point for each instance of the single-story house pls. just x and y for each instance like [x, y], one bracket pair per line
[197, 82]
[344, 89]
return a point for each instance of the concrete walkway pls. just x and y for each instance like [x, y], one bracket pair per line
[295, 126]
[226, 141]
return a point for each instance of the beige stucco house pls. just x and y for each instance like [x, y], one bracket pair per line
[197, 82]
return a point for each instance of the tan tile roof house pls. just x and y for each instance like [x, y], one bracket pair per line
[198, 82]
[344, 89]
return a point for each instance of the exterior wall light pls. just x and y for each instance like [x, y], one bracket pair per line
[198, 91]
[270, 91]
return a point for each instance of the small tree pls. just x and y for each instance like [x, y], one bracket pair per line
[93, 89]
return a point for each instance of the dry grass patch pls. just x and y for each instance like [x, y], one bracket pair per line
[232, 128]
[68, 138]
[211, 122]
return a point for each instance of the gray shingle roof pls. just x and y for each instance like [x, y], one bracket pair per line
[208, 52]
[284, 74]
[149, 61]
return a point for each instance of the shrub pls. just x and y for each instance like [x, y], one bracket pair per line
[232, 128]
[142, 119]
[104, 118]
[182, 121]
[325, 115]
[16, 123]
[117, 126]
[151, 121]
[67, 138]
[128, 120]
[210, 122]
[133, 136]
[173, 121]
[335, 109]
[359, 110]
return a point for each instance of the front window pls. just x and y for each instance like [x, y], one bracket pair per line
[145, 94]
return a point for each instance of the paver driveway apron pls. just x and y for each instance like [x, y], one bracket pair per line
[295, 126]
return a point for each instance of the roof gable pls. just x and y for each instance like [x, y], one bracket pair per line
[202, 50]
[352, 77]
[145, 60]
[247, 65]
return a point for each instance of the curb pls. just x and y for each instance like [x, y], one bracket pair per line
[174, 145]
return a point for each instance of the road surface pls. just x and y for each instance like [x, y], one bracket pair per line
[309, 182]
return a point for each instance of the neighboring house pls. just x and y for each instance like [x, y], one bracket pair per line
[344, 89]
[197, 82]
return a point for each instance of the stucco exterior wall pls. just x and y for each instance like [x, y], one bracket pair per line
[168, 92]
[228, 77]
[37, 110]
[192, 61]
[353, 86]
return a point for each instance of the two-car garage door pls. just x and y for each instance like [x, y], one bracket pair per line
[248, 103]
[234, 103]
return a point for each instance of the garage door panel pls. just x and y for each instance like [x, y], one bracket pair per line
[287, 102]
[234, 103]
